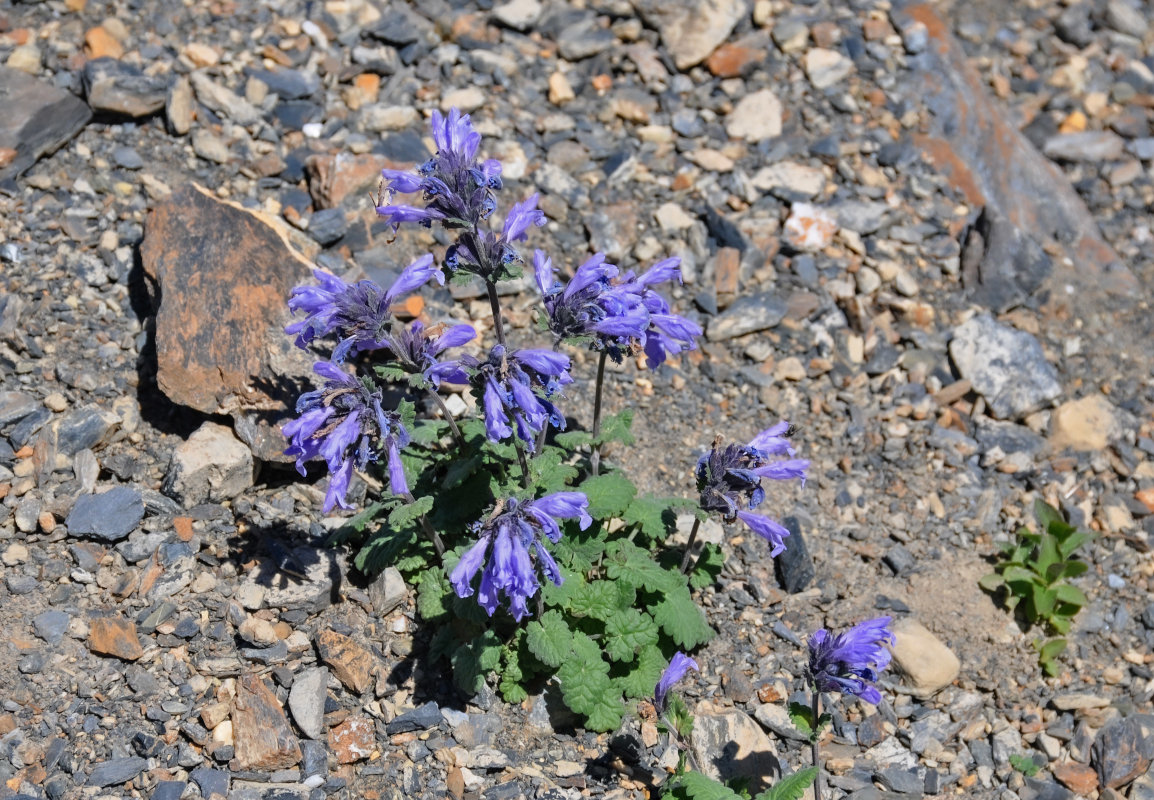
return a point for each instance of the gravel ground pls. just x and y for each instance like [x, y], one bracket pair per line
[920, 234]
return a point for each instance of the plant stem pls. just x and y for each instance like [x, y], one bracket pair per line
[689, 545]
[814, 746]
[448, 418]
[595, 458]
[427, 527]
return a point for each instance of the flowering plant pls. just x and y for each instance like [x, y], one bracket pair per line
[536, 561]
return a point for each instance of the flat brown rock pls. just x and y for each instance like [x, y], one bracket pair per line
[224, 276]
[1078, 778]
[350, 662]
[114, 636]
[261, 734]
[332, 178]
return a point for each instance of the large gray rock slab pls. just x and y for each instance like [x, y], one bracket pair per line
[38, 118]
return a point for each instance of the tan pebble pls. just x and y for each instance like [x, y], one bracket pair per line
[98, 43]
[46, 521]
[560, 91]
[202, 55]
[55, 402]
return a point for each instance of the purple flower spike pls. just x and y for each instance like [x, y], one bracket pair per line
[729, 480]
[668, 333]
[516, 388]
[344, 423]
[850, 662]
[522, 216]
[678, 666]
[506, 544]
[414, 277]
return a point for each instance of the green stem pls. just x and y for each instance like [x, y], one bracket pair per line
[689, 545]
[448, 418]
[595, 458]
[814, 746]
[427, 527]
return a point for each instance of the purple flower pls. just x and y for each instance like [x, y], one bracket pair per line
[343, 423]
[516, 387]
[417, 347]
[729, 480]
[591, 307]
[458, 190]
[506, 545]
[850, 662]
[678, 666]
[668, 333]
[492, 255]
[358, 314]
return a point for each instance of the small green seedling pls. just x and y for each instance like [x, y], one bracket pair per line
[1024, 764]
[1033, 574]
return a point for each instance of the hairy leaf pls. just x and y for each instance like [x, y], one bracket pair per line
[407, 513]
[792, 787]
[609, 495]
[434, 596]
[598, 599]
[549, 639]
[698, 787]
[626, 632]
[616, 428]
[641, 678]
[681, 619]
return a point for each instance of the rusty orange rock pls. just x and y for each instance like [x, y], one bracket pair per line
[332, 178]
[1078, 778]
[732, 60]
[350, 662]
[261, 733]
[114, 636]
[352, 740]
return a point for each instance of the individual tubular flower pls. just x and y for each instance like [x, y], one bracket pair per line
[506, 545]
[343, 423]
[493, 255]
[729, 480]
[516, 388]
[590, 306]
[357, 314]
[416, 350]
[678, 666]
[458, 190]
[668, 333]
[850, 662]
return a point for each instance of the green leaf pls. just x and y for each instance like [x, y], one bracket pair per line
[382, 550]
[428, 431]
[512, 676]
[801, 715]
[443, 644]
[1012, 574]
[460, 470]
[475, 659]
[625, 561]
[391, 373]
[1050, 649]
[708, 567]
[681, 619]
[1060, 624]
[792, 787]
[550, 473]
[598, 599]
[699, 787]
[1024, 764]
[1043, 600]
[1065, 593]
[1047, 555]
[616, 428]
[641, 679]
[586, 688]
[648, 515]
[573, 440]
[408, 413]
[357, 523]
[609, 495]
[627, 632]
[991, 582]
[549, 639]
[407, 513]
[1046, 514]
[1071, 544]
[433, 596]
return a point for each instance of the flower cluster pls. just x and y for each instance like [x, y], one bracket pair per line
[503, 546]
[850, 662]
[416, 349]
[516, 387]
[729, 477]
[344, 424]
[358, 314]
[616, 314]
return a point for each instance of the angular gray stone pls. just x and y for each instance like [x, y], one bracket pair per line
[16, 406]
[51, 625]
[212, 465]
[518, 14]
[121, 88]
[110, 515]
[116, 771]
[306, 701]
[737, 746]
[1084, 146]
[84, 429]
[38, 118]
[223, 100]
[1004, 365]
[1122, 752]
[747, 315]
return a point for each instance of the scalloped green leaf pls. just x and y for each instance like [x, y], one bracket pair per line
[699, 787]
[609, 495]
[408, 513]
[640, 679]
[617, 428]
[681, 619]
[549, 639]
[598, 599]
[627, 632]
[791, 787]
[625, 561]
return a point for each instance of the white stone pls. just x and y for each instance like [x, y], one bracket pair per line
[788, 177]
[518, 14]
[824, 67]
[736, 744]
[212, 465]
[306, 701]
[672, 217]
[468, 99]
[809, 227]
[926, 662]
[378, 118]
[757, 116]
